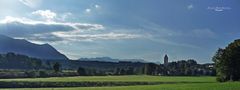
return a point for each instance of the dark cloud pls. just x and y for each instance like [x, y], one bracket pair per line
[44, 31]
[18, 29]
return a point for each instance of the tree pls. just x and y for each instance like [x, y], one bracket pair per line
[192, 62]
[117, 71]
[219, 65]
[48, 63]
[36, 64]
[43, 74]
[150, 69]
[32, 74]
[227, 62]
[56, 67]
[122, 71]
[130, 71]
[81, 71]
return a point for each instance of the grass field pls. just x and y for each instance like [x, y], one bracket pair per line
[119, 79]
[179, 83]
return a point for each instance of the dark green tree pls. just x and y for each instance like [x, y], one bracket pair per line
[227, 62]
[130, 71]
[117, 71]
[122, 71]
[81, 71]
[56, 67]
[150, 68]
[43, 74]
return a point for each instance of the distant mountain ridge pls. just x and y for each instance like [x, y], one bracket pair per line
[108, 59]
[21, 46]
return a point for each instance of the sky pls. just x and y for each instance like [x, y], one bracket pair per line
[125, 29]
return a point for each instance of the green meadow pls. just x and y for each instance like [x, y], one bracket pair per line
[167, 83]
[143, 78]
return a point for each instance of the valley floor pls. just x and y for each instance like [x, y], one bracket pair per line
[167, 83]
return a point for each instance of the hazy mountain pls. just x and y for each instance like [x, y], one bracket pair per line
[108, 59]
[104, 59]
[21, 46]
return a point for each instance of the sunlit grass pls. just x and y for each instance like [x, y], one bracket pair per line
[193, 83]
[199, 86]
[133, 78]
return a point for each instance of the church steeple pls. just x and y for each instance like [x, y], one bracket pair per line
[166, 60]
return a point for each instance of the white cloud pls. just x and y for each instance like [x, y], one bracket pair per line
[219, 9]
[76, 26]
[46, 14]
[9, 19]
[189, 7]
[92, 8]
[91, 37]
[31, 3]
[65, 16]
[97, 6]
[88, 10]
[50, 16]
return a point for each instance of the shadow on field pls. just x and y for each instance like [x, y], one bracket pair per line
[26, 84]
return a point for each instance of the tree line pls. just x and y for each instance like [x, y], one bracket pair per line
[227, 62]
[181, 68]
[25, 66]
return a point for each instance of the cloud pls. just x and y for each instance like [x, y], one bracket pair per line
[46, 14]
[49, 15]
[219, 8]
[189, 7]
[92, 8]
[88, 10]
[97, 6]
[43, 31]
[65, 16]
[31, 3]
[166, 36]
[22, 27]
[25, 21]
[174, 43]
[45, 37]
[155, 29]
[92, 37]
[203, 33]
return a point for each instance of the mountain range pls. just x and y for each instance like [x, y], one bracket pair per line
[108, 59]
[22, 46]
[44, 51]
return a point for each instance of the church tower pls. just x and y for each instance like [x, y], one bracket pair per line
[165, 60]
